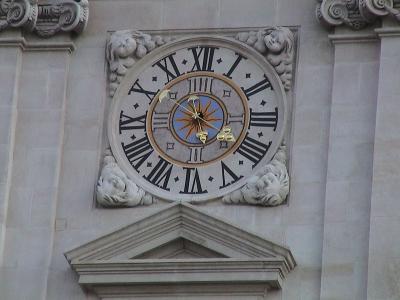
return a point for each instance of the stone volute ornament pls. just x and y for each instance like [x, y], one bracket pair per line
[45, 18]
[356, 14]
[268, 187]
[115, 189]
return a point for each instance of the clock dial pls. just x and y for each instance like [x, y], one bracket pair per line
[197, 117]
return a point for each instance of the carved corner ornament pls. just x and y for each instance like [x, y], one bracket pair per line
[115, 189]
[268, 187]
[355, 14]
[45, 18]
[124, 48]
[277, 45]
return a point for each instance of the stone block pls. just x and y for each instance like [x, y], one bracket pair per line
[237, 13]
[181, 14]
[38, 128]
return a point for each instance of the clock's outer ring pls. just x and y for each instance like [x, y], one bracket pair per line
[159, 53]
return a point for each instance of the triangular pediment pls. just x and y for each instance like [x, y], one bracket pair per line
[179, 238]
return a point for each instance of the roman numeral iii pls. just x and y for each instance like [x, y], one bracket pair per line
[264, 119]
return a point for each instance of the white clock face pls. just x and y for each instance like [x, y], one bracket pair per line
[195, 118]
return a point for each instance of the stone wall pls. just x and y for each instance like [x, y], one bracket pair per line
[340, 222]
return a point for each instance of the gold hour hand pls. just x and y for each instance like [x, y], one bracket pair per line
[226, 135]
[202, 136]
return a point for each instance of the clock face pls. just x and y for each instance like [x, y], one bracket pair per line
[195, 118]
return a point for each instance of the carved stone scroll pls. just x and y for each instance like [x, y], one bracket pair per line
[115, 189]
[277, 44]
[45, 18]
[356, 14]
[124, 48]
[268, 187]
[18, 13]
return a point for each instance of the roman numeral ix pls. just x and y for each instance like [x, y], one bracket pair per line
[128, 123]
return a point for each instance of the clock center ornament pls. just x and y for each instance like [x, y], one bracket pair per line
[198, 118]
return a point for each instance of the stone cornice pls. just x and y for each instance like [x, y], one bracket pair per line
[355, 14]
[45, 18]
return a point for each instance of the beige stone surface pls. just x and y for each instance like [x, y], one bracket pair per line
[342, 218]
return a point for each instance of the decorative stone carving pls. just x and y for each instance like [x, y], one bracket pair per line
[45, 18]
[115, 189]
[180, 245]
[66, 16]
[18, 13]
[277, 44]
[268, 187]
[123, 48]
[356, 14]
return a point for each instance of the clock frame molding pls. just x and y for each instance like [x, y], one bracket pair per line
[281, 64]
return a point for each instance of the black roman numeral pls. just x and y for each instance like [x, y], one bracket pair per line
[228, 172]
[192, 183]
[258, 87]
[234, 66]
[200, 84]
[253, 150]
[138, 151]
[137, 88]
[168, 65]
[264, 119]
[203, 58]
[160, 174]
[129, 123]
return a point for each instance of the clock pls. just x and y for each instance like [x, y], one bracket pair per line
[195, 118]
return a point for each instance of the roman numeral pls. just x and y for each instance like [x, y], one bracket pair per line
[129, 123]
[195, 155]
[203, 58]
[138, 151]
[160, 174]
[192, 182]
[137, 88]
[258, 87]
[168, 65]
[226, 172]
[160, 120]
[253, 150]
[264, 119]
[234, 66]
[200, 84]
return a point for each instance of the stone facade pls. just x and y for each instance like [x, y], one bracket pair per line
[341, 218]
